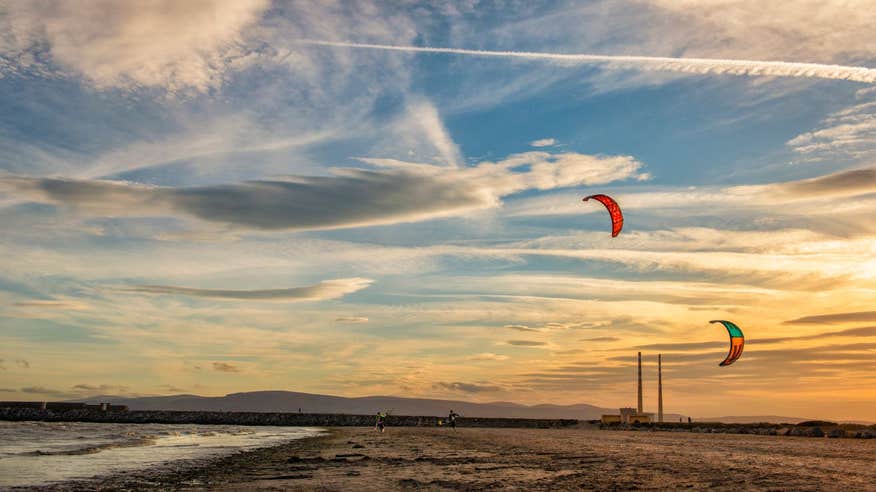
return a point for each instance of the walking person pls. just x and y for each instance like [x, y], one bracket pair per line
[451, 419]
[381, 421]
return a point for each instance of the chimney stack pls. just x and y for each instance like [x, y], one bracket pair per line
[659, 388]
[640, 382]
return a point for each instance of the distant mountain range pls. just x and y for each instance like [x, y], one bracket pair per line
[291, 401]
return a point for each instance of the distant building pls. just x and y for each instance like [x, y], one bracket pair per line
[627, 416]
[637, 415]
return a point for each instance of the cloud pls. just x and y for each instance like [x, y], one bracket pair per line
[350, 198]
[225, 367]
[844, 183]
[701, 66]
[601, 339]
[163, 43]
[863, 332]
[797, 29]
[544, 142]
[328, 289]
[39, 390]
[50, 305]
[525, 343]
[488, 356]
[22, 363]
[173, 389]
[466, 387]
[520, 328]
[351, 319]
[850, 132]
[709, 199]
[682, 347]
[102, 388]
[423, 116]
[835, 318]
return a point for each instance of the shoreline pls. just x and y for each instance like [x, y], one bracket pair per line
[359, 458]
[182, 473]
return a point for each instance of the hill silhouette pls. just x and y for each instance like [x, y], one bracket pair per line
[291, 401]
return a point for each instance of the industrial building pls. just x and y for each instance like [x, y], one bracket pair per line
[637, 415]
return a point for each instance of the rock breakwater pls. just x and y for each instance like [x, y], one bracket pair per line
[821, 429]
[264, 418]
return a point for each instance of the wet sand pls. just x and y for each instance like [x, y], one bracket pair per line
[526, 459]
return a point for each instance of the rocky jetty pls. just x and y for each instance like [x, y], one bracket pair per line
[803, 429]
[263, 418]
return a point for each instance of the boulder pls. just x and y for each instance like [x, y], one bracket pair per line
[814, 432]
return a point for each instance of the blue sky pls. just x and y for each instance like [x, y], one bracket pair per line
[197, 198]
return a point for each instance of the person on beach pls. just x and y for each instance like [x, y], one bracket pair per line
[451, 419]
[381, 421]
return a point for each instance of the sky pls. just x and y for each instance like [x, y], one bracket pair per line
[385, 198]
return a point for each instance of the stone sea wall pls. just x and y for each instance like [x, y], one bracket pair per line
[259, 418]
[822, 429]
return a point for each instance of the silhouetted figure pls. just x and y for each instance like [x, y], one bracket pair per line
[688, 420]
[381, 421]
[451, 419]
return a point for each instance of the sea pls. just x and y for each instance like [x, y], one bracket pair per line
[42, 453]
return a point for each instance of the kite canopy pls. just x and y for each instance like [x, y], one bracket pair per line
[617, 217]
[737, 341]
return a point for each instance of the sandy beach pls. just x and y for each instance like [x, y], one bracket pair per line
[524, 459]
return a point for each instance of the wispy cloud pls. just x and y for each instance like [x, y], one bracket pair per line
[225, 367]
[39, 390]
[163, 44]
[834, 318]
[544, 142]
[601, 339]
[328, 289]
[467, 387]
[102, 388]
[526, 343]
[846, 183]
[520, 328]
[350, 198]
[351, 319]
[850, 132]
[40, 304]
[702, 66]
[422, 117]
[862, 332]
[488, 356]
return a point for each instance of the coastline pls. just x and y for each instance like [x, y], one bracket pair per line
[359, 458]
[187, 473]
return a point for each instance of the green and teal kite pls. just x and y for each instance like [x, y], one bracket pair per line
[737, 341]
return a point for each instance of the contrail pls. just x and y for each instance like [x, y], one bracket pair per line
[658, 63]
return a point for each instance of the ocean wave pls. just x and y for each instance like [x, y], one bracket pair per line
[93, 448]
